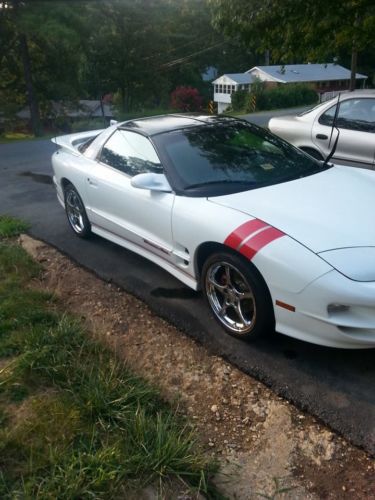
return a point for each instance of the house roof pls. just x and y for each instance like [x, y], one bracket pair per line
[306, 72]
[241, 78]
[84, 109]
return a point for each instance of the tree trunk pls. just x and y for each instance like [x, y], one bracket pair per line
[31, 97]
[353, 69]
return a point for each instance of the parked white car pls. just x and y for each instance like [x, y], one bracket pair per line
[311, 131]
[273, 237]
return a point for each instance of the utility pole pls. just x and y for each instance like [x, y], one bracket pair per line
[267, 57]
[353, 69]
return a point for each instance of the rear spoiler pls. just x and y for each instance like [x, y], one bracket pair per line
[71, 142]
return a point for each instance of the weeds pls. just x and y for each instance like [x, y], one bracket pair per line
[76, 423]
[9, 226]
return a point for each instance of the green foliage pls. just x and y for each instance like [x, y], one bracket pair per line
[144, 112]
[89, 124]
[239, 100]
[86, 427]
[283, 96]
[85, 49]
[298, 29]
[10, 226]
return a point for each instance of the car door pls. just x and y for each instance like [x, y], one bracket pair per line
[356, 122]
[140, 216]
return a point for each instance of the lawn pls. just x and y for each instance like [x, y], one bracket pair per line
[74, 421]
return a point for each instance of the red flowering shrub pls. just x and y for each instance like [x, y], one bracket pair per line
[186, 99]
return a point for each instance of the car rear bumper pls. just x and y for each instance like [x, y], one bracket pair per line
[59, 192]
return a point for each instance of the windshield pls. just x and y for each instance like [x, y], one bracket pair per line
[229, 157]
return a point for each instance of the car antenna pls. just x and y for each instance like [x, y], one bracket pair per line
[334, 126]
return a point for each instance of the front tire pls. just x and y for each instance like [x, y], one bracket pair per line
[237, 295]
[76, 213]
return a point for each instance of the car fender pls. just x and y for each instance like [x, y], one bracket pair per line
[284, 263]
[72, 169]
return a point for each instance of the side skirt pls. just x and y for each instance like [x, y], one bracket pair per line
[177, 273]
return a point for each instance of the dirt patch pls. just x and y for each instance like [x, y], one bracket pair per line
[266, 446]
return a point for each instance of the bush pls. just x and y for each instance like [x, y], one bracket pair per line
[239, 100]
[186, 99]
[283, 96]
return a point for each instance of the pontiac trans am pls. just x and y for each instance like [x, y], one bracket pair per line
[274, 238]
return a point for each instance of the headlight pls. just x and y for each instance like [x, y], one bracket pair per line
[356, 263]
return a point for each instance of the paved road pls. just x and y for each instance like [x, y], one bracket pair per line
[262, 117]
[335, 385]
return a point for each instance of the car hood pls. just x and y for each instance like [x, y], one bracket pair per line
[329, 210]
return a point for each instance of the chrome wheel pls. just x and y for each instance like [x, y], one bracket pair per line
[76, 213]
[231, 297]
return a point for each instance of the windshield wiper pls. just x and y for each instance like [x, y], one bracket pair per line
[224, 181]
[334, 126]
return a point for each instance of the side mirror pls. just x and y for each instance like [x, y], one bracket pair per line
[152, 182]
[112, 122]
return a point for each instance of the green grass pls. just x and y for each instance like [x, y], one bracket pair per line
[74, 421]
[25, 137]
[10, 226]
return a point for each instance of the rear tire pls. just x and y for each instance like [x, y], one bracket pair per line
[76, 213]
[237, 295]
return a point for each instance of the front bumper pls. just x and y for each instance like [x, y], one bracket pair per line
[351, 326]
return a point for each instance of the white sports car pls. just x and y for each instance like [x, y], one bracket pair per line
[273, 237]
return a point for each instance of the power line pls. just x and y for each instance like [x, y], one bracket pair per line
[181, 60]
[191, 42]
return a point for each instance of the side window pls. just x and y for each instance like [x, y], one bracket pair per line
[130, 153]
[354, 114]
[327, 117]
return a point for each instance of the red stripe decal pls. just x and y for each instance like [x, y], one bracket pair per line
[238, 235]
[259, 241]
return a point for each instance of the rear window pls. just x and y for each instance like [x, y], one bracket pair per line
[82, 148]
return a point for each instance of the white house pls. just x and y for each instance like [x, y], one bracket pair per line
[225, 85]
[327, 79]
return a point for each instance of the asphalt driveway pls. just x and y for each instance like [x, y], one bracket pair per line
[335, 385]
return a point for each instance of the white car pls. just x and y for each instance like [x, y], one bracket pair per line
[273, 237]
[312, 130]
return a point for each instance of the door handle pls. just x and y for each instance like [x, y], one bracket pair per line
[322, 136]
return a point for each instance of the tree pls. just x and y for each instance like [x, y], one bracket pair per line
[17, 39]
[39, 55]
[299, 30]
